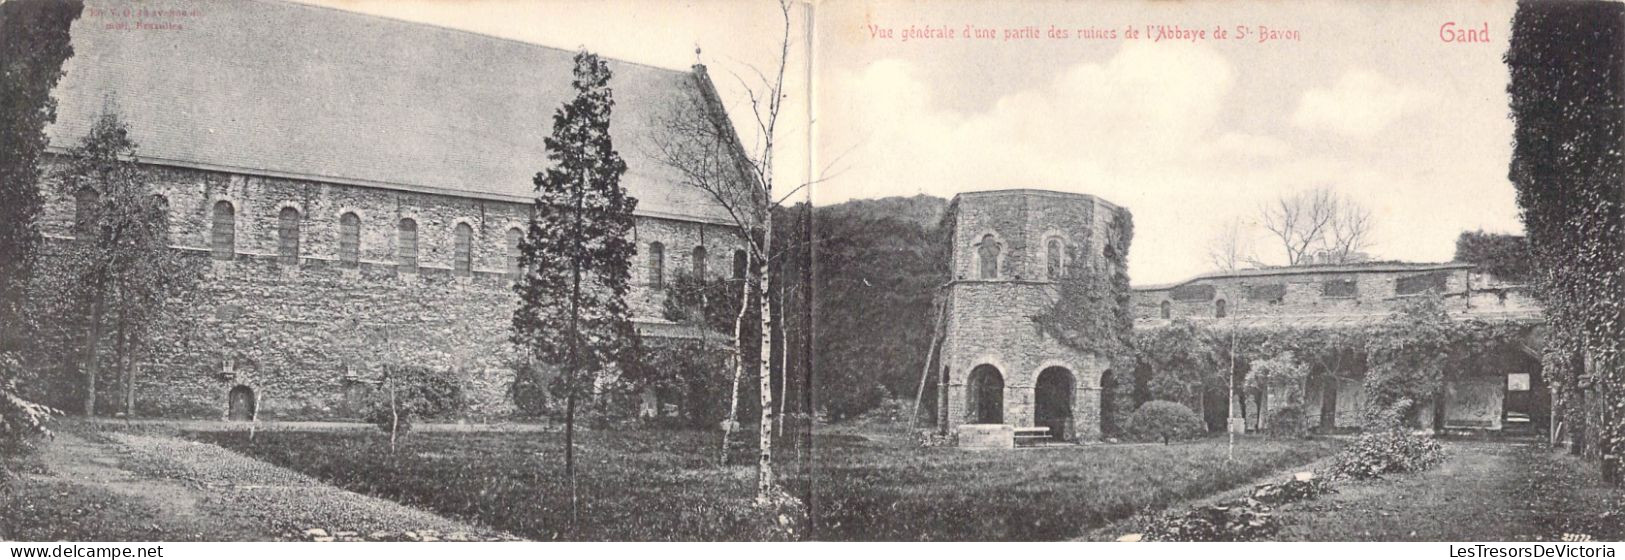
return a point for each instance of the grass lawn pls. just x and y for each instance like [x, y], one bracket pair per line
[874, 492]
[40, 510]
[633, 485]
[664, 485]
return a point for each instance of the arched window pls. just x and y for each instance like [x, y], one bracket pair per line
[84, 213]
[287, 236]
[349, 239]
[699, 263]
[406, 244]
[1054, 259]
[1218, 309]
[1167, 310]
[513, 251]
[741, 264]
[987, 252]
[223, 238]
[160, 211]
[657, 265]
[462, 253]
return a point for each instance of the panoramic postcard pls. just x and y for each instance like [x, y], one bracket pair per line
[838, 270]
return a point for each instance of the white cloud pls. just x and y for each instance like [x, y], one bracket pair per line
[1360, 104]
[1152, 128]
[1243, 145]
[1148, 105]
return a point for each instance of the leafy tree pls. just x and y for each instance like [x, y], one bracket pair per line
[123, 270]
[1183, 362]
[1164, 421]
[1566, 62]
[33, 45]
[1507, 257]
[576, 254]
[693, 369]
[1279, 375]
[873, 270]
[708, 303]
[412, 392]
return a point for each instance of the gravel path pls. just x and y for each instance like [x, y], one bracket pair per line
[1483, 492]
[185, 490]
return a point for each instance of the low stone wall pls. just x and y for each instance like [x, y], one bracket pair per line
[987, 436]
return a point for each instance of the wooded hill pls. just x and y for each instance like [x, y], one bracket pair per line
[876, 265]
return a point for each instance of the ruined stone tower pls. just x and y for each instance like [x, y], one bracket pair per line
[996, 366]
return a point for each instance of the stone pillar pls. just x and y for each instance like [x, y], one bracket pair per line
[1018, 406]
[955, 407]
[1086, 414]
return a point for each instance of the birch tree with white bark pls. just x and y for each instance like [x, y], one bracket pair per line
[694, 139]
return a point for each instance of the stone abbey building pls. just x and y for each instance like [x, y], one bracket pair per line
[1510, 393]
[1009, 250]
[999, 375]
[327, 170]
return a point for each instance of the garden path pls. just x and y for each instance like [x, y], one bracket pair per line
[1484, 491]
[101, 485]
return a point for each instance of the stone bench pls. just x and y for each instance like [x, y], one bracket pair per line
[1031, 435]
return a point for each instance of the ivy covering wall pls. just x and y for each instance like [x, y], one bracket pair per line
[1401, 362]
[1567, 67]
[1095, 313]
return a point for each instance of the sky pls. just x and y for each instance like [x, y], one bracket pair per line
[1188, 133]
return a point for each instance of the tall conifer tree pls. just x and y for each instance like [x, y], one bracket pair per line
[576, 256]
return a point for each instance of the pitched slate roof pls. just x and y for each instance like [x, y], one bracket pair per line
[284, 89]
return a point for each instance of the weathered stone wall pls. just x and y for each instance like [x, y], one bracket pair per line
[991, 324]
[288, 331]
[990, 321]
[1023, 221]
[1474, 402]
[1301, 292]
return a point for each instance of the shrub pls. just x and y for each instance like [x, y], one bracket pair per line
[529, 391]
[930, 438]
[843, 401]
[418, 392]
[1390, 451]
[1287, 421]
[1390, 417]
[1164, 421]
[1291, 491]
[21, 420]
[1230, 522]
[780, 518]
[1242, 519]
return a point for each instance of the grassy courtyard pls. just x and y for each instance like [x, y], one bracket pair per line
[664, 485]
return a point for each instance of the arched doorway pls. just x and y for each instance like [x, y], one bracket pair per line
[240, 404]
[986, 391]
[1052, 402]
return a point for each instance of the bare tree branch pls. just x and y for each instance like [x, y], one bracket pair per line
[694, 139]
[1230, 250]
[1318, 220]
